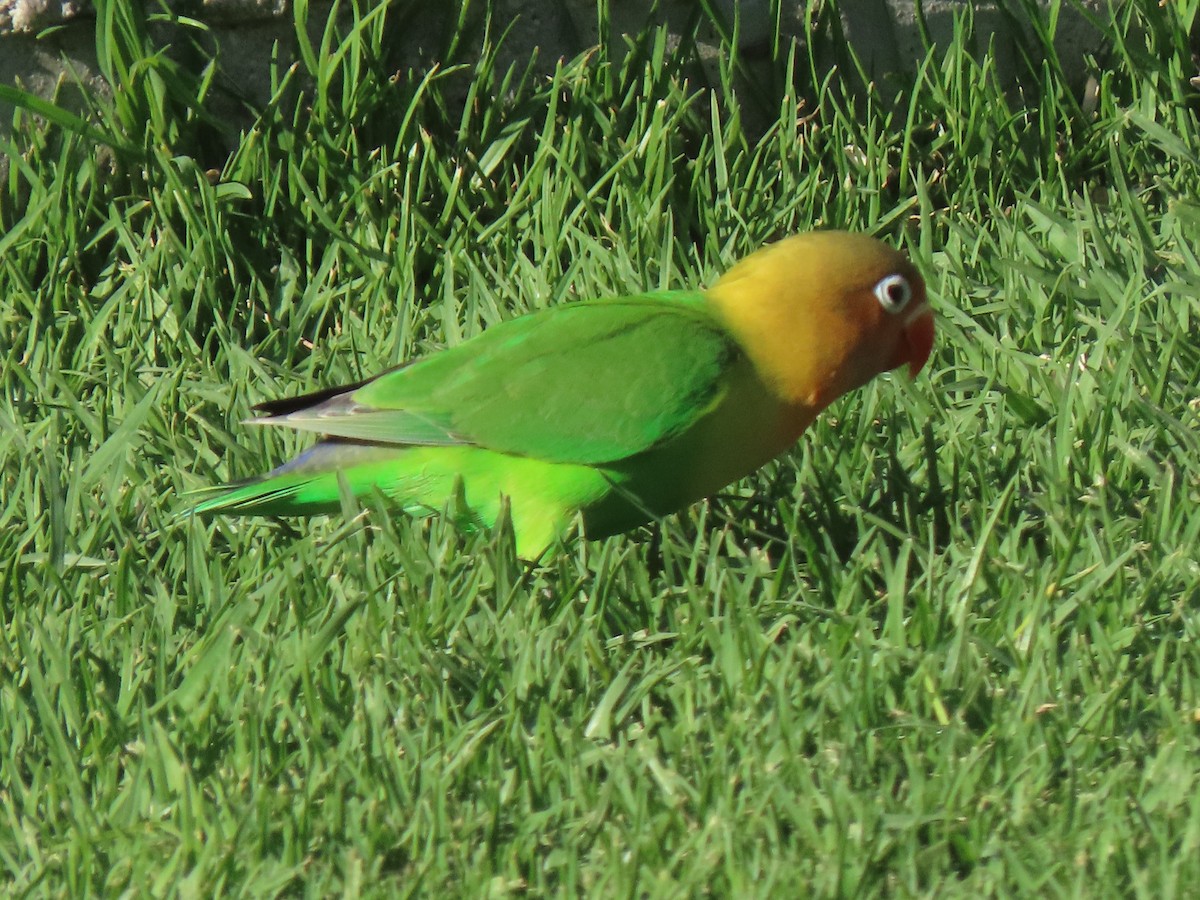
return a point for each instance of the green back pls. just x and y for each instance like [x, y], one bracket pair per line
[587, 383]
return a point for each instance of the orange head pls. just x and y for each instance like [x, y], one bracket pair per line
[822, 313]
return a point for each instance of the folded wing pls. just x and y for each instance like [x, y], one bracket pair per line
[587, 383]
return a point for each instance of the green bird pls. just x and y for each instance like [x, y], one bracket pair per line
[616, 411]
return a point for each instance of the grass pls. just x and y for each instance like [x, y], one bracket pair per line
[946, 647]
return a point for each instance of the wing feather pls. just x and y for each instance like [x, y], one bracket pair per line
[587, 383]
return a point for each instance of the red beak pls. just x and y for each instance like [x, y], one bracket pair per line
[916, 343]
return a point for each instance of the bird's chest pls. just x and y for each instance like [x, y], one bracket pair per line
[746, 429]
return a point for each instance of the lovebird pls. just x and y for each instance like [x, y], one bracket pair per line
[615, 412]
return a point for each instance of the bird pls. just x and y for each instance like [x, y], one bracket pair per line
[610, 413]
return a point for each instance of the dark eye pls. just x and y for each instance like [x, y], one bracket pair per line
[893, 293]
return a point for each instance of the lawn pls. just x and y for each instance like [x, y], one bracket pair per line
[950, 645]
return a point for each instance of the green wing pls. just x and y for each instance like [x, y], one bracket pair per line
[587, 383]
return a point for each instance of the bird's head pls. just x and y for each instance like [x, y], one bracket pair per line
[822, 313]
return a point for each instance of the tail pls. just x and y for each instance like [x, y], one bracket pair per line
[311, 484]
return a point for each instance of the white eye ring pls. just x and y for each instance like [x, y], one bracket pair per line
[893, 293]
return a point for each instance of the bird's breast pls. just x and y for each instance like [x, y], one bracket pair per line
[748, 427]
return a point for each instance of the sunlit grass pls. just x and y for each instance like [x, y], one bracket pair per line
[948, 645]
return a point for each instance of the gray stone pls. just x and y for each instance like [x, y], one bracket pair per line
[30, 16]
